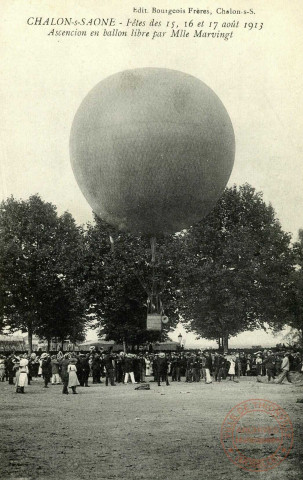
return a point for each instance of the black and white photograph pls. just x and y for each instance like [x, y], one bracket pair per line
[151, 240]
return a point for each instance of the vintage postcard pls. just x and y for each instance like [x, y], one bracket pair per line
[151, 239]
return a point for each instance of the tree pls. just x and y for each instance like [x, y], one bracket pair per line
[40, 270]
[119, 282]
[64, 287]
[234, 268]
[295, 297]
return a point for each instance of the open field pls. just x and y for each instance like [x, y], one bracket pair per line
[117, 432]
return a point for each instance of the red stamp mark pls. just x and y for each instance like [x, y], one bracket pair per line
[257, 435]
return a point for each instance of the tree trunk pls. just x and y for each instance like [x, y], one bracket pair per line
[48, 345]
[30, 339]
[225, 342]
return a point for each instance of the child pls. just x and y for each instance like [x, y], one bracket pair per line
[73, 381]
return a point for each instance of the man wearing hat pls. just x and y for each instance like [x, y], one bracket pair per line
[129, 368]
[173, 367]
[96, 368]
[285, 369]
[270, 366]
[189, 367]
[155, 367]
[162, 368]
[64, 373]
[10, 369]
[216, 366]
[85, 368]
[120, 367]
[222, 361]
[55, 370]
[32, 366]
[196, 368]
[46, 368]
[109, 362]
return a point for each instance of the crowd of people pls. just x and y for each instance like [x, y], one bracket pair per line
[75, 369]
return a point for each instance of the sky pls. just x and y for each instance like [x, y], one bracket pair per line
[257, 75]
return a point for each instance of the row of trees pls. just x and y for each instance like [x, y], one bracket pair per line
[234, 271]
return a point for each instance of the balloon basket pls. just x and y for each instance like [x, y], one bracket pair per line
[154, 322]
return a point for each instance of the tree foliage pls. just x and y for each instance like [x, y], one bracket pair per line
[295, 296]
[119, 282]
[231, 272]
[234, 268]
[40, 269]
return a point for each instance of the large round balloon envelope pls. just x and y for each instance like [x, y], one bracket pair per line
[152, 150]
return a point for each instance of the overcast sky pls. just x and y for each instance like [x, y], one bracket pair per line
[257, 75]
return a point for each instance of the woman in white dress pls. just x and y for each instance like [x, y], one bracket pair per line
[232, 368]
[73, 381]
[40, 367]
[147, 366]
[22, 376]
[2, 368]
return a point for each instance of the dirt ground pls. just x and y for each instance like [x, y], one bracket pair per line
[117, 432]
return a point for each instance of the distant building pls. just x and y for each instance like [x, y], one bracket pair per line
[100, 344]
[10, 343]
[168, 346]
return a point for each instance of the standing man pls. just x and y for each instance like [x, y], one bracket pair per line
[32, 367]
[129, 368]
[64, 373]
[243, 363]
[84, 360]
[109, 363]
[154, 367]
[120, 368]
[189, 368]
[270, 366]
[285, 369]
[216, 366]
[238, 366]
[221, 368]
[196, 368]
[141, 368]
[46, 368]
[162, 368]
[175, 367]
[96, 368]
[10, 369]
[55, 371]
[178, 367]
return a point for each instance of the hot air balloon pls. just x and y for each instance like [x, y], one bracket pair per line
[152, 150]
